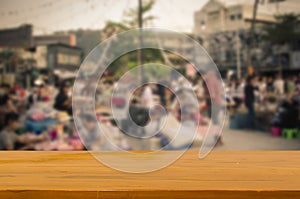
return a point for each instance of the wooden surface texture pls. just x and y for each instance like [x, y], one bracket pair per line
[222, 174]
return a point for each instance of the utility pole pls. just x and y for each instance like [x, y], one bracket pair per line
[238, 48]
[238, 54]
[140, 51]
[249, 61]
[277, 47]
[4, 72]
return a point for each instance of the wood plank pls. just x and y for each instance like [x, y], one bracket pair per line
[222, 174]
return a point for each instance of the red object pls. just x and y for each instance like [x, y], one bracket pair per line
[119, 102]
[76, 143]
[38, 116]
[22, 93]
[275, 131]
[203, 107]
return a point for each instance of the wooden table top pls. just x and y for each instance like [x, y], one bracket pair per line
[222, 174]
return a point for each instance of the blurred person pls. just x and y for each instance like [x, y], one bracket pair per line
[198, 87]
[45, 93]
[261, 92]
[270, 87]
[62, 101]
[20, 99]
[214, 88]
[11, 102]
[32, 98]
[279, 85]
[154, 125]
[161, 91]
[262, 85]
[9, 140]
[4, 89]
[90, 85]
[290, 88]
[139, 115]
[250, 100]
[92, 138]
[287, 115]
[8, 137]
[240, 88]
[188, 117]
[297, 83]
[234, 92]
[147, 96]
[40, 92]
[4, 92]
[232, 86]
[184, 102]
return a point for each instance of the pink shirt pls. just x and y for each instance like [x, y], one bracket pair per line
[215, 89]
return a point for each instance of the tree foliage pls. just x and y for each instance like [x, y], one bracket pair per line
[128, 61]
[130, 20]
[286, 30]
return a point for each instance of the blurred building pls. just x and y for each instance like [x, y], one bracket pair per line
[35, 55]
[69, 39]
[224, 27]
[170, 40]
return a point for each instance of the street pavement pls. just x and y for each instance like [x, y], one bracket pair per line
[255, 140]
[234, 140]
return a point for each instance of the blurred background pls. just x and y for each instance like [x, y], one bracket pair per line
[254, 43]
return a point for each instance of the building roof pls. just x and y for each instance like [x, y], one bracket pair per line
[287, 6]
[51, 39]
[229, 3]
[65, 46]
[264, 7]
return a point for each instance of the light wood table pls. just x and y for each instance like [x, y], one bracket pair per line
[222, 174]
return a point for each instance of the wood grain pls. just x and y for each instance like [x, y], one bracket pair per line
[222, 174]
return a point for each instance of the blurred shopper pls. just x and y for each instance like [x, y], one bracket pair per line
[214, 86]
[161, 91]
[198, 86]
[297, 82]
[270, 87]
[286, 115]
[92, 138]
[9, 140]
[45, 93]
[147, 97]
[62, 101]
[185, 102]
[250, 100]
[279, 85]
[262, 90]
[290, 88]
[4, 89]
[32, 98]
[240, 89]
[8, 137]
[139, 115]
[262, 85]
[11, 102]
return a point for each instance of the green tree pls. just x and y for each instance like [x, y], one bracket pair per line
[8, 60]
[130, 21]
[286, 30]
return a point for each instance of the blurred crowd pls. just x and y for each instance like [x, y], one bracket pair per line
[261, 95]
[29, 116]
[40, 118]
[164, 106]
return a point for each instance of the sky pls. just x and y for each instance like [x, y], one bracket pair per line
[53, 15]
